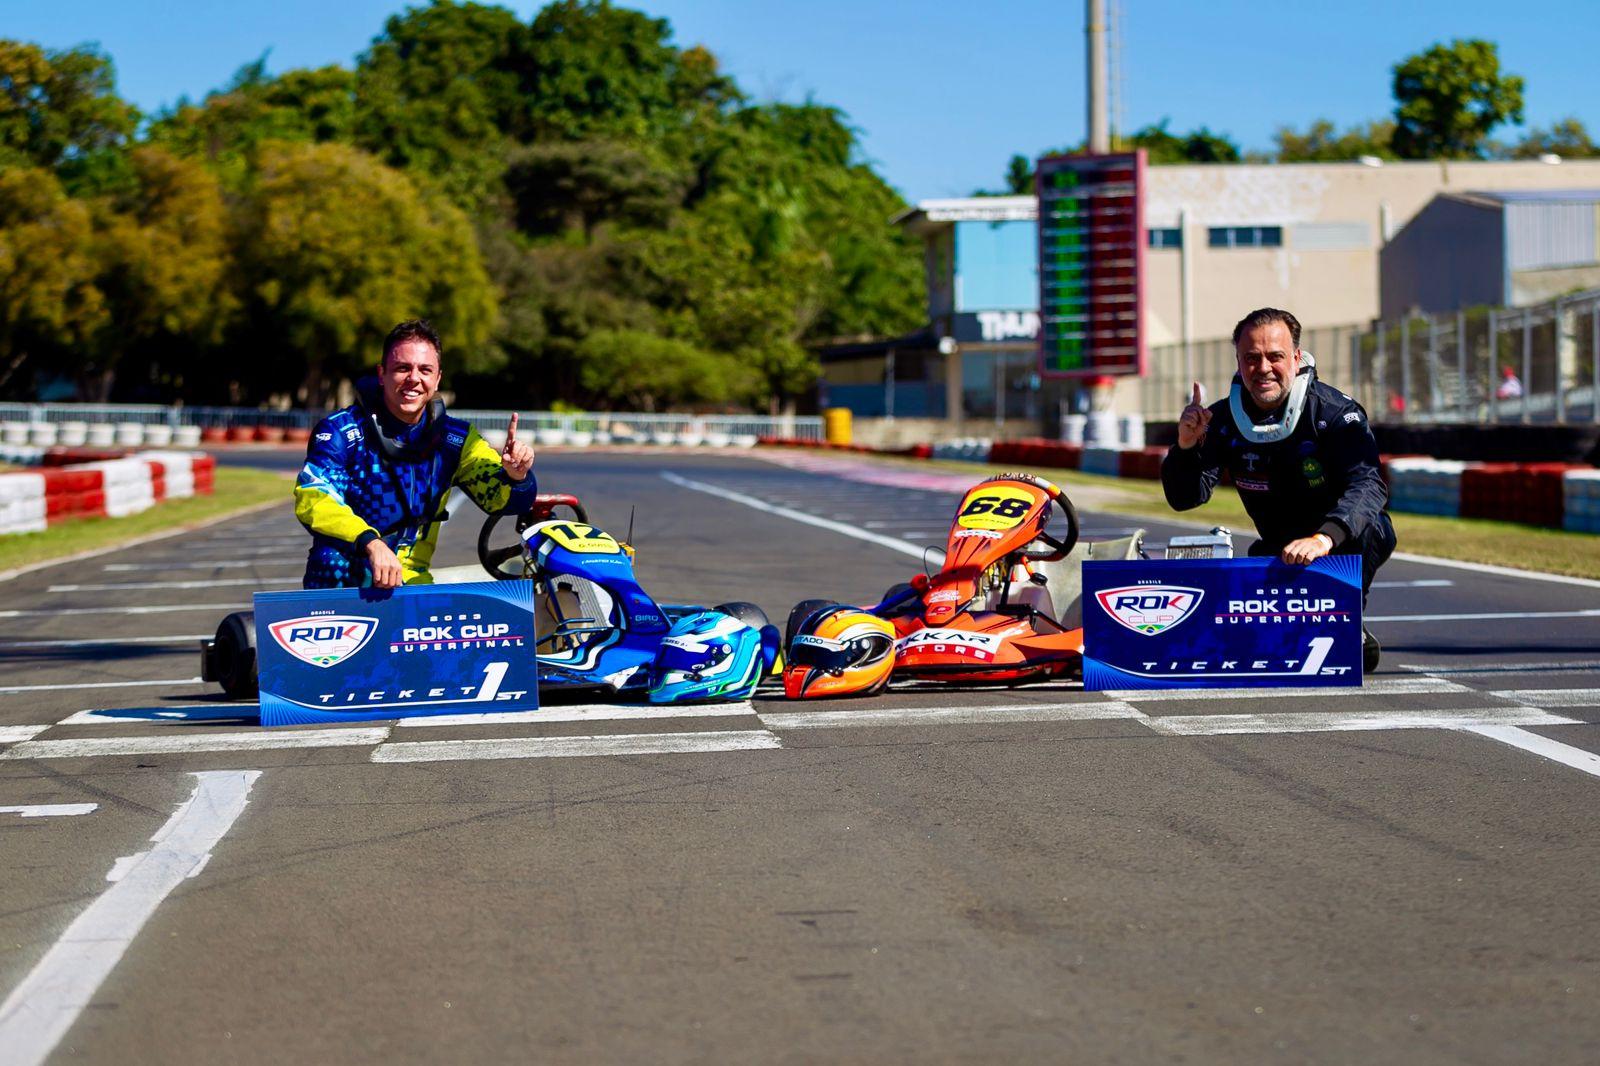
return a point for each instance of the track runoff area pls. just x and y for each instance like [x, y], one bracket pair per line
[1399, 873]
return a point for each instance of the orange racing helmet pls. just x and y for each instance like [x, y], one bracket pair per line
[835, 650]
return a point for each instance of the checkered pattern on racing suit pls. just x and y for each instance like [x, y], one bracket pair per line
[348, 493]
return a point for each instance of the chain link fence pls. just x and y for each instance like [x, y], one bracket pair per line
[1536, 365]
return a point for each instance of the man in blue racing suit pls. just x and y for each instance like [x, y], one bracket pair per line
[378, 473]
[1301, 454]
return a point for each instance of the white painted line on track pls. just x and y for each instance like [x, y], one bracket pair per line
[1436, 583]
[904, 547]
[1501, 571]
[100, 642]
[1389, 686]
[152, 586]
[218, 564]
[165, 608]
[585, 712]
[575, 747]
[881, 716]
[1556, 666]
[124, 545]
[43, 1007]
[1552, 697]
[164, 715]
[91, 747]
[98, 684]
[51, 810]
[1565, 754]
[1491, 616]
[11, 734]
[1203, 725]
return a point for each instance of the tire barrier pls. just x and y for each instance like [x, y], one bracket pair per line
[84, 482]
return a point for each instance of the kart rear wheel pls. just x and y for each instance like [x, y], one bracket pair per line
[230, 659]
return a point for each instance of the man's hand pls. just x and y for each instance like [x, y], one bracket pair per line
[1306, 549]
[1194, 421]
[516, 457]
[386, 573]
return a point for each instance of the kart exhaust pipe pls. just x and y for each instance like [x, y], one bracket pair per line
[230, 658]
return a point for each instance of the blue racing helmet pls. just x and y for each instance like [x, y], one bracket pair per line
[710, 655]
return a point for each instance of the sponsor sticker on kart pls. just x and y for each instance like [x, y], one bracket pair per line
[323, 640]
[980, 646]
[1149, 609]
[995, 507]
[581, 538]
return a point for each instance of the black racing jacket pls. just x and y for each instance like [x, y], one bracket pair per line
[1322, 478]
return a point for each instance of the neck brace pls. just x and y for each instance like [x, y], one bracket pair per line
[1289, 414]
[419, 442]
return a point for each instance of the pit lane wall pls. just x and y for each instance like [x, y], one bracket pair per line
[1558, 495]
[81, 482]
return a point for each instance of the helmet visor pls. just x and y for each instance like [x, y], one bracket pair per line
[825, 653]
[683, 656]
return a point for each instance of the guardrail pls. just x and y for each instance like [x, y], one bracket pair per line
[105, 425]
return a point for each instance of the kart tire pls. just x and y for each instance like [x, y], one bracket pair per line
[233, 656]
[798, 615]
[748, 613]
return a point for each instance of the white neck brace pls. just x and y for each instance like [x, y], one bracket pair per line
[1271, 432]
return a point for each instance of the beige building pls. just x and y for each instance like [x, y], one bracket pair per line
[1222, 239]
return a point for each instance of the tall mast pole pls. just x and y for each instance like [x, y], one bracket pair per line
[1094, 30]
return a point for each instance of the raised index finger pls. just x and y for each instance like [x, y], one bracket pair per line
[1199, 397]
[511, 431]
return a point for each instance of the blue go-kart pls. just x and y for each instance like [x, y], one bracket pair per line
[596, 628]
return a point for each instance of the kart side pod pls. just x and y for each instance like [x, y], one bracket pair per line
[230, 657]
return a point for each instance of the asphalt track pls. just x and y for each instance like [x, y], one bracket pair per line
[1404, 874]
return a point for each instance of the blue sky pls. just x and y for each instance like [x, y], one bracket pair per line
[942, 91]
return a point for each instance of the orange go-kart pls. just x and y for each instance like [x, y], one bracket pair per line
[1003, 606]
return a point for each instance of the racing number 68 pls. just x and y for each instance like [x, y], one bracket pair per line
[1003, 508]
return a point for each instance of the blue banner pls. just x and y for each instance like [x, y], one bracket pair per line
[343, 655]
[1221, 623]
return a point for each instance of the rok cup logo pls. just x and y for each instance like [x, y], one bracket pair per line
[323, 640]
[1150, 609]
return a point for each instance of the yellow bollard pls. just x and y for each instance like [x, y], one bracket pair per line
[836, 425]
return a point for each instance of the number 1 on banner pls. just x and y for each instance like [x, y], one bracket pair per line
[493, 674]
[1320, 647]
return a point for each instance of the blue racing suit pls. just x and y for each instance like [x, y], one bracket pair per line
[353, 490]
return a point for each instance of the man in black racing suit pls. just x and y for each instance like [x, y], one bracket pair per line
[1301, 454]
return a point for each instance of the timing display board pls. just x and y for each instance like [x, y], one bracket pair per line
[1091, 259]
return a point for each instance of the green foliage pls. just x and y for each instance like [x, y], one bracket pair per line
[642, 370]
[1197, 146]
[567, 193]
[1449, 97]
[58, 109]
[1321, 143]
[49, 302]
[335, 248]
[1567, 138]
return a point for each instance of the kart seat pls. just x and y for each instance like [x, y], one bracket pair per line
[1064, 579]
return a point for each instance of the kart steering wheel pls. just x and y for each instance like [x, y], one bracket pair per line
[543, 509]
[1057, 549]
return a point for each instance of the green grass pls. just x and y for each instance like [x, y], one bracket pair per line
[236, 489]
[1468, 540]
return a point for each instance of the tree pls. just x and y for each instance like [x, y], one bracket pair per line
[1197, 146]
[59, 109]
[1019, 176]
[1448, 98]
[49, 304]
[163, 267]
[1567, 138]
[576, 186]
[605, 71]
[643, 370]
[1320, 143]
[335, 248]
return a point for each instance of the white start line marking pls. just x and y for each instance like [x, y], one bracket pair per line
[152, 586]
[265, 740]
[51, 810]
[1565, 754]
[884, 716]
[1205, 725]
[170, 682]
[43, 1007]
[101, 642]
[573, 747]
[166, 608]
